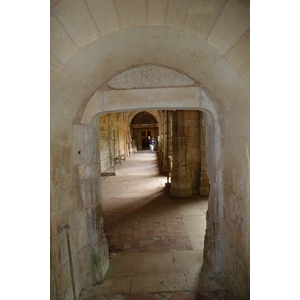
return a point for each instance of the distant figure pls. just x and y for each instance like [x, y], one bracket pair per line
[151, 145]
[144, 144]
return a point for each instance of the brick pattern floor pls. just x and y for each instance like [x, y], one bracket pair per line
[139, 214]
[151, 225]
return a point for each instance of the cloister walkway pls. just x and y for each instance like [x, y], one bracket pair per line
[155, 240]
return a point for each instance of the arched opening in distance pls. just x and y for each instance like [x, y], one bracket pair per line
[143, 126]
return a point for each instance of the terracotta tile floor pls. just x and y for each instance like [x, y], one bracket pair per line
[152, 225]
[139, 214]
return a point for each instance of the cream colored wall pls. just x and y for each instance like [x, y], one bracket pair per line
[91, 41]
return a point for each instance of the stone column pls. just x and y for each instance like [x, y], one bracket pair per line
[204, 181]
[87, 161]
[185, 154]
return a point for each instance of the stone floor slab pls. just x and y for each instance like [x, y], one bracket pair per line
[134, 264]
[189, 206]
[193, 282]
[188, 296]
[113, 285]
[195, 223]
[163, 296]
[194, 226]
[187, 262]
[115, 297]
[98, 297]
[140, 297]
[158, 283]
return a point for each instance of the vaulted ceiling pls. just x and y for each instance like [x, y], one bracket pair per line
[93, 41]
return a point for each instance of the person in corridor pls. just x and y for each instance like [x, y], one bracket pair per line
[151, 145]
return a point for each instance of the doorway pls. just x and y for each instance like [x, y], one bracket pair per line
[154, 239]
[213, 131]
[151, 235]
[145, 137]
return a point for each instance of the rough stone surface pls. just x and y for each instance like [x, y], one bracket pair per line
[232, 23]
[149, 77]
[159, 283]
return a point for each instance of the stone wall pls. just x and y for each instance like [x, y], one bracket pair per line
[75, 200]
[227, 240]
[236, 221]
[94, 41]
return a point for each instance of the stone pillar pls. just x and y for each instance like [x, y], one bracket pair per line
[87, 161]
[204, 181]
[212, 276]
[185, 154]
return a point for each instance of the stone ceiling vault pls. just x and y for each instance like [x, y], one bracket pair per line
[92, 41]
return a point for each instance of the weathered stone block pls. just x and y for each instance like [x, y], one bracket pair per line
[104, 15]
[239, 55]
[202, 16]
[176, 13]
[156, 12]
[61, 44]
[231, 25]
[149, 76]
[132, 13]
[76, 20]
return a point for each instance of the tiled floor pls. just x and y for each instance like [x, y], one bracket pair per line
[155, 240]
[154, 225]
[139, 214]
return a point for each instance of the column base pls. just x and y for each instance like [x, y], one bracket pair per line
[168, 185]
[177, 193]
[204, 191]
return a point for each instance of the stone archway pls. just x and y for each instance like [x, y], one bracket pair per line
[143, 125]
[179, 98]
[93, 42]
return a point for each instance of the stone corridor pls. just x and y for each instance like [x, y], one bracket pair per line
[155, 240]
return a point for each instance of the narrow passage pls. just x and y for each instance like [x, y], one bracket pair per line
[155, 240]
